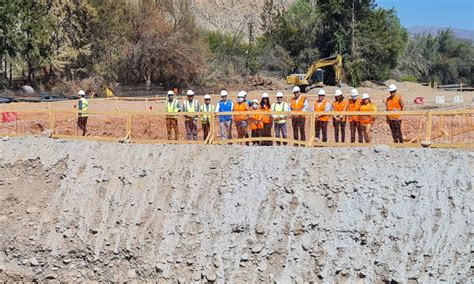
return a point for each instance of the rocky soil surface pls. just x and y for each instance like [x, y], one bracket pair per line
[76, 211]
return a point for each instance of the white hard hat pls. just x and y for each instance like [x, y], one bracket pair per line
[354, 93]
[223, 93]
[296, 89]
[338, 93]
[207, 97]
[279, 95]
[81, 93]
[170, 93]
[244, 93]
[265, 95]
[241, 94]
[255, 101]
[190, 93]
[365, 96]
[322, 92]
[392, 88]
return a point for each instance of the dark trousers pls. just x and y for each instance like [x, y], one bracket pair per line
[172, 124]
[396, 128]
[206, 126]
[339, 125]
[257, 133]
[298, 123]
[321, 126]
[82, 124]
[355, 126]
[267, 132]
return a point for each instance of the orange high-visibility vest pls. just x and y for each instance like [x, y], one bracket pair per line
[393, 104]
[255, 121]
[367, 119]
[241, 107]
[340, 106]
[297, 105]
[321, 107]
[266, 119]
[354, 106]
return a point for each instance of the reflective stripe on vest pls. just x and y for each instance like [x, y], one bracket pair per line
[280, 107]
[321, 107]
[84, 107]
[172, 107]
[206, 108]
[191, 107]
[297, 105]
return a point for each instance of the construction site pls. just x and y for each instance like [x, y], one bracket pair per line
[125, 204]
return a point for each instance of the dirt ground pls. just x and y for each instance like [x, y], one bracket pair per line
[148, 127]
[88, 211]
[409, 92]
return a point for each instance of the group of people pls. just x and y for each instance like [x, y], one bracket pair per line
[250, 122]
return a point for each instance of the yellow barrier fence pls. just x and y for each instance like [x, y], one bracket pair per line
[436, 128]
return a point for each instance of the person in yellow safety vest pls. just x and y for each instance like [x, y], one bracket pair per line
[207, 107]
[83, 114]
[191, 105]
[172, 106]
[279, 121]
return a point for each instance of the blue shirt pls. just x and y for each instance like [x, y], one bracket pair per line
[224, 107]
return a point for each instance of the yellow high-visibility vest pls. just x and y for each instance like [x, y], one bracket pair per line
[206, 108]
[83, 107]
[280, 107]
[172, 106]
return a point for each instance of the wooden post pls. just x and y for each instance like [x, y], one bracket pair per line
[211, 129]
[52, 121]
[312, 131]
[460, 86]
[429, 124]
[129, 126]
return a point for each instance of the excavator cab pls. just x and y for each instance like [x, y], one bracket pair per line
[315, 73]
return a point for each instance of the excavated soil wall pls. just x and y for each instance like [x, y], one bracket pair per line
[76, 211]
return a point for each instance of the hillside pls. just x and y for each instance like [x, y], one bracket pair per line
[231, 15]
[460, 33]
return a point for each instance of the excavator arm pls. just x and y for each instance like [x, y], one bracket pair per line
[304, 80]
[330, 61]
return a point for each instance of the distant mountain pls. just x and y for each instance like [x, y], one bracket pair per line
[467, 34]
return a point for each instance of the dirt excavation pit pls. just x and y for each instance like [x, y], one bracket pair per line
[78, 211]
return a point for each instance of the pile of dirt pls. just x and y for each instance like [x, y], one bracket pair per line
[76, 211]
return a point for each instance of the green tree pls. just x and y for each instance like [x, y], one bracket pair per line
[371, 39]
[36, 29]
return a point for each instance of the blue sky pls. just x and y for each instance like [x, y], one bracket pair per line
[441, 13]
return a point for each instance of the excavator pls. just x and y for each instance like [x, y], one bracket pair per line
[315, 74]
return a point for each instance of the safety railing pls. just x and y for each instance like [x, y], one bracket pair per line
[449, 128]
